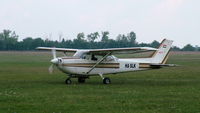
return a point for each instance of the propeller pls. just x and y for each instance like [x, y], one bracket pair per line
[51, 69]
[53, 61]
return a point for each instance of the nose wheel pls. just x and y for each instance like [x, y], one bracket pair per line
[106, 80]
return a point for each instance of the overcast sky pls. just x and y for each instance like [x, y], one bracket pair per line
[178, 20]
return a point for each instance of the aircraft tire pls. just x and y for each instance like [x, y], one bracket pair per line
[68, 81]
[81, 80]
[106, 80]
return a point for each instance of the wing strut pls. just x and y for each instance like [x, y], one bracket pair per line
[98, 62]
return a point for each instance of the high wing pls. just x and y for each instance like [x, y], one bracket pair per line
[57, 49]
[103, 51]
[121, 50]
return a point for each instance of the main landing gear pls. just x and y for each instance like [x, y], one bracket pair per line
[80, 79]
[68, 81]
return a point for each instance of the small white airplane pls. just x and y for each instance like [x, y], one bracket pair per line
[89, 62]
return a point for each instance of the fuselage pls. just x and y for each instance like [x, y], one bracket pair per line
[79, 66]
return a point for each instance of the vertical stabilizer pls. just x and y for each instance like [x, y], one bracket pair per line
[161, 55]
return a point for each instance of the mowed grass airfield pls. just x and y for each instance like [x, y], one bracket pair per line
[27, 87]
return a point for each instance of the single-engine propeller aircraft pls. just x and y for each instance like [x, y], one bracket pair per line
[85, 63]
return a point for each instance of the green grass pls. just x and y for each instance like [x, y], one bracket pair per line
[26, 87]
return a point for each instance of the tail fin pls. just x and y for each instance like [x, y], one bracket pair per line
[161, 55]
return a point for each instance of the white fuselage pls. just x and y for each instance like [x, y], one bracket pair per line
[78, 66]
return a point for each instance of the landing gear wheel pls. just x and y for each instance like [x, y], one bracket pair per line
[68, 81]
[81, 80]
[106, 80]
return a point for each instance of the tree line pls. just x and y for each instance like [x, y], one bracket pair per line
[9, 41]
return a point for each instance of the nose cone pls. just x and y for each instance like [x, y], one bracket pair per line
[54, 61]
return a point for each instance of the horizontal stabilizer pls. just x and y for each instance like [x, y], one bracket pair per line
[162, 65]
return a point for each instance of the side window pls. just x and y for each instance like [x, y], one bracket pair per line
[93, 57]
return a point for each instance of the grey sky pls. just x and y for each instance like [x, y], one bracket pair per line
[178, 20]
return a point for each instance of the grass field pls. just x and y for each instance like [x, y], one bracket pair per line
[26, 87]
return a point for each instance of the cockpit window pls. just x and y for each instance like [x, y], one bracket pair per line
[83, 56]
[111, 58]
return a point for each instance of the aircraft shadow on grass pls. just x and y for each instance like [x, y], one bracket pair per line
[138, 82]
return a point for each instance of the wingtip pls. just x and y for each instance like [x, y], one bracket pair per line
[37, 48]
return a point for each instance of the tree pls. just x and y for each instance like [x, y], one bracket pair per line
[80, 36]
[93, 36]
[175, 48]
[8, 40]
[49, 43]
[27, 43]
[104, 37]
[132, 38]
[155, 44]
[188, 47]
[80, 41]
[122, 41]
[196, 48]
[37, 42]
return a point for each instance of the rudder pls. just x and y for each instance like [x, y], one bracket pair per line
[161, 55]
